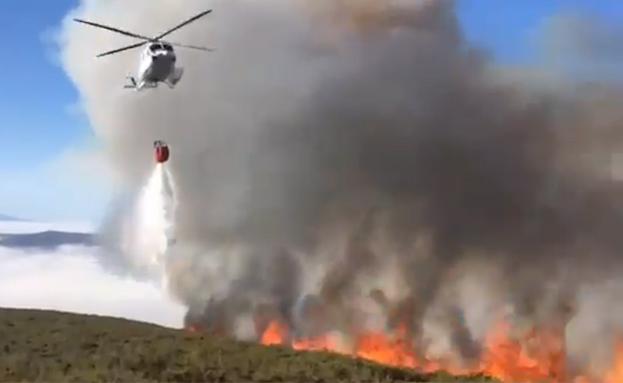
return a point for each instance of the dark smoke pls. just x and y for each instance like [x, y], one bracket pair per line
[357, 161]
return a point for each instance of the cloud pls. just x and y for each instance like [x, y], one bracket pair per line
[71, 279]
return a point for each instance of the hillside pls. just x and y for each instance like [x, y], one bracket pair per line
[52, 346]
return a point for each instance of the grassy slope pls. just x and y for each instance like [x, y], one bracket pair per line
[53, 347]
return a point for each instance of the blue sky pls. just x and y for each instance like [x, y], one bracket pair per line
[36, 94]
[507, 30]
[39, 128]
[39, 125]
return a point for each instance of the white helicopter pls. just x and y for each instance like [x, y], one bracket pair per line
[158, 58]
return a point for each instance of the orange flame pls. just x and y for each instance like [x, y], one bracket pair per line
[616, 374]
[275, 334]
[537, 356]
[380, 348]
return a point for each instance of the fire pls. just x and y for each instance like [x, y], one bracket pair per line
[392, 350]
[616, 374]
[275, 334]
[535, 356]
[538, 356]
[380, 348]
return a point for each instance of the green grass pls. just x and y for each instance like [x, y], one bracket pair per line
[49, 346]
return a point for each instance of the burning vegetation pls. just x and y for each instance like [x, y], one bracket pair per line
[533, 355]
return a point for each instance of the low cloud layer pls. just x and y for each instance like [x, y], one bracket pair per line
[71, 279]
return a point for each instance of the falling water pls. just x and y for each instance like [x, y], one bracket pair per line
[150, 230]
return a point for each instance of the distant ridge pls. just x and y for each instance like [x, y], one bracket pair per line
[46, 240]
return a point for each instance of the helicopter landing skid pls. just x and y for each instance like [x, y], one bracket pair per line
[143, 85]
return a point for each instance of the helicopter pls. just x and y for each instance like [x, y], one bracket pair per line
[157, 62]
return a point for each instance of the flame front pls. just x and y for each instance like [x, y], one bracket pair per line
[536, 356]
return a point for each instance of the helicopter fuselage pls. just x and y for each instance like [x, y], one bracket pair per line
[157, 65]
[157, 62]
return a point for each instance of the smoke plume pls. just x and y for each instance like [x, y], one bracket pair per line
[351, 165]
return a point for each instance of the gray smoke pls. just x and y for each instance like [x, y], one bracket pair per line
[361, 164]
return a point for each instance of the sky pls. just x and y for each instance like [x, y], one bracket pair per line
[47, 144]
[41, 129]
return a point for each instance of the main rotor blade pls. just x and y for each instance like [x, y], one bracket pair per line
[122, 49]
[191, 47]
[183, 24]
[126, 33]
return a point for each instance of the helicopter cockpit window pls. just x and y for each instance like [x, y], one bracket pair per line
[168, 47]
[154, 47]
